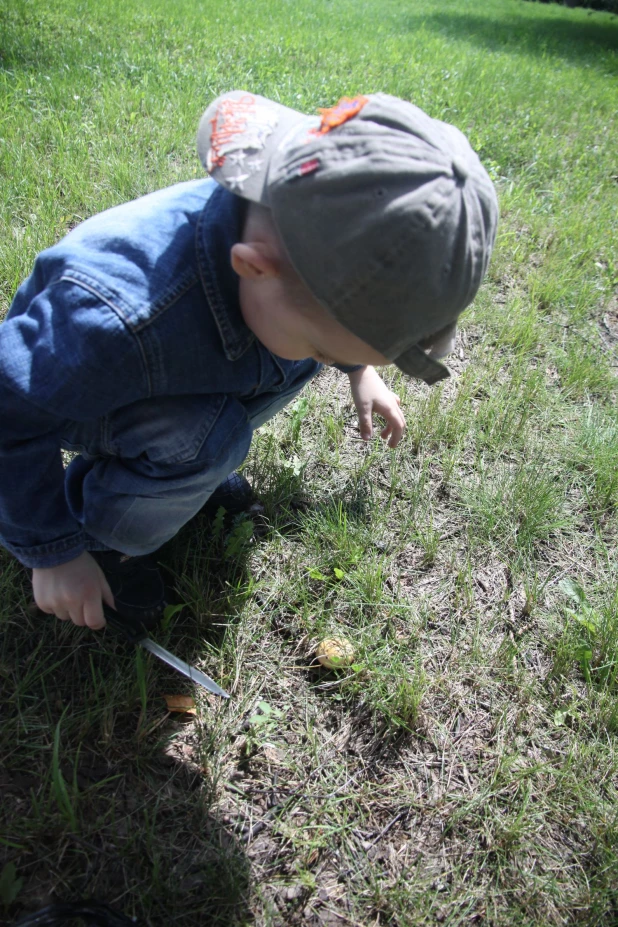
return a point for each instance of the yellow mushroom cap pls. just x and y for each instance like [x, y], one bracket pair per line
[334, 652]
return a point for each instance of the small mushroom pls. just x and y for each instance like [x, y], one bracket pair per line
[335, 652]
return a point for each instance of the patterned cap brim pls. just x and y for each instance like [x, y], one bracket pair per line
[238, 135]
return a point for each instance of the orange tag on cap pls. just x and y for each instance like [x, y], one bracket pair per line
[345, 109]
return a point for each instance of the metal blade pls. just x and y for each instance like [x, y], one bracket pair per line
[194, 674]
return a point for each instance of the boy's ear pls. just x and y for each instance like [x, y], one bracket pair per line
[253, 261]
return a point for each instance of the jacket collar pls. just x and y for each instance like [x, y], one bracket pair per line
[219, 227]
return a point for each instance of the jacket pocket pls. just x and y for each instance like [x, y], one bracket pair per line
[164, 430]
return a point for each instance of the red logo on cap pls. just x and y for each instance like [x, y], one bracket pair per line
[239, 126]
[346, 108]
[229, 119]
[308, 167]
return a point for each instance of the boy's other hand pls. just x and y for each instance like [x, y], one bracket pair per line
[371, 394]
[74, 591]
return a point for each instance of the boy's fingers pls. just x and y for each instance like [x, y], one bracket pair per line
[395, 420]
[395, 423]
[398, 434]
[76, 614]
[45, 610]
[389, 434]
[93, 615]
[394, 431]
[366, 425]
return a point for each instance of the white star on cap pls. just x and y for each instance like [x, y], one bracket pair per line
[237, 157]
[255, 165]
[236, 183]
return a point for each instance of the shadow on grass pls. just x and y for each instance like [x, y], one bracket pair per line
[100, 800]
[145, 843]
[567, 38]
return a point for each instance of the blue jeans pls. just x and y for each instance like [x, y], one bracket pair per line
[137, 500]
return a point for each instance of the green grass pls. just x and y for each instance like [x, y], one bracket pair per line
[465, 770]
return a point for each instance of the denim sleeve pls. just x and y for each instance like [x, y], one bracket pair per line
[35, 523]
[64, 355]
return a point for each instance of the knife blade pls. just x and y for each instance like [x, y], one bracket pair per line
[135, 632]
[193, 674]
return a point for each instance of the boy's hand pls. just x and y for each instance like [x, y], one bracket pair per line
[371, 394]
[73, 591]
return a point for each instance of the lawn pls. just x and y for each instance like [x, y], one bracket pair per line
[465, 769]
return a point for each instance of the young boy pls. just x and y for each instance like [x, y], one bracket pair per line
[155, 337]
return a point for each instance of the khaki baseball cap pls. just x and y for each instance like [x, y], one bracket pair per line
[387, 215]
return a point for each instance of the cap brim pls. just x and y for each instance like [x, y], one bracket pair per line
[417, 364]
[239, 134]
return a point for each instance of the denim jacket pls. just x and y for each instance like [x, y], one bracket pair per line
[137, 305]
